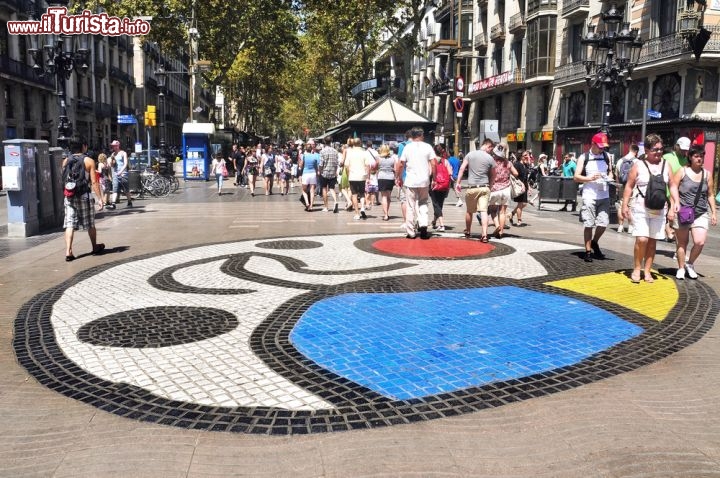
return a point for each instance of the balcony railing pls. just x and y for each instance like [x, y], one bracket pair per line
[21, 70]
[497, 32]
[536, 7]
[570, 71]
[575, 7]
[120, 75]
[103, 110]
[516, 23]
[85, 103]
[481, 40]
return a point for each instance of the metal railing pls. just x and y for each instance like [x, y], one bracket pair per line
[497, 31]
[516, 22]
[570, 6]
[570, 71]
[536, 6]
[85, 103]
[19, 69]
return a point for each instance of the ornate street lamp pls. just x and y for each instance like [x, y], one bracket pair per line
[161, 75]
[58, 56]
[611, 55]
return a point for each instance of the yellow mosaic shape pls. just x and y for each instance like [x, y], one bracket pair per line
[655, 300]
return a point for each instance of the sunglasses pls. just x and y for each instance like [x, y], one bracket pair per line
[657, 150]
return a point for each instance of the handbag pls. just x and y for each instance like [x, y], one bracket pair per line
[686, 214]
[224, 170]
[517, 188]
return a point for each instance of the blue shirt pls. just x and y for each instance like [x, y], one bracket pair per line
[310, 163]
[568, 169]
[455, 163]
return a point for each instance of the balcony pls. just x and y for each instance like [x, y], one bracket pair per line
[443, 44]
[538, 7]
[575, 8]
[21, 70]
[506, 81]
[517, 23]
[480, 41]
[103, 110]
[84, 103]
[100, 69]
[497, 33]
[119, 75]
[122, 42]
[570, 72]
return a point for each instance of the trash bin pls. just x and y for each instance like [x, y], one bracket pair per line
[569, 189]
[549, 188]
[134, 180]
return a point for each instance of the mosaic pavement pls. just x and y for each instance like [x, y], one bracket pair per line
[342, 332]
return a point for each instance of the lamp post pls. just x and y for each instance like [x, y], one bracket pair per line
[161, 78]
[610, 56]
[55, 55]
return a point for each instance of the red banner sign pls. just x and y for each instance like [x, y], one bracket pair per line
[492, 82]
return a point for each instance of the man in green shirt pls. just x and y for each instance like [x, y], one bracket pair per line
[678, 156]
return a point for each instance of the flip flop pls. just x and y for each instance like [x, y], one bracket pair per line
[635, 279]
[69, 258]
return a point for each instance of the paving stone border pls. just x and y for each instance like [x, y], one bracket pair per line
[356, 407]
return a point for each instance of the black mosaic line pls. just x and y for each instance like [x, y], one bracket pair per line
[292, 245]
[153, 327]
[358, 408]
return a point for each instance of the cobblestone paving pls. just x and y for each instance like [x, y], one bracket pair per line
[220, 337]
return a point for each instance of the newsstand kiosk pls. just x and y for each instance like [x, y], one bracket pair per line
[197, 150]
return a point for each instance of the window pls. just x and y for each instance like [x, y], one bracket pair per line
[541, 46]
[516, 55]
[45, 113]
[664, 17]
[27, 107]
[498, 111]
[4, 39]
[497, 60]
[576, 52]
[466, 31]
[8, 103]
[518, 108]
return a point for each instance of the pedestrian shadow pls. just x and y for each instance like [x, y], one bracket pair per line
[105, 252]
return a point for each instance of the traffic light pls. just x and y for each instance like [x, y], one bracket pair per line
[150, 116]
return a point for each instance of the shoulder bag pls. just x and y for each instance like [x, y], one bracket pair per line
[686, 214]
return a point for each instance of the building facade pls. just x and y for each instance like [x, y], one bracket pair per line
[525, 78]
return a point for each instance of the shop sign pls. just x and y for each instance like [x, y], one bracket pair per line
[492, 82]
[711, 136]
[542, 136]
[511, 138]
[521, 136]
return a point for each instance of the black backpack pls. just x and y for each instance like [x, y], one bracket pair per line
[606, 157]
[74, 178]
[656, 191]
[294, 156]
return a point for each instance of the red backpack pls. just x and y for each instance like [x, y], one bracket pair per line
[442, 177]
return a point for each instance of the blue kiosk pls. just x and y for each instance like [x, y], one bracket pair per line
[197, 150]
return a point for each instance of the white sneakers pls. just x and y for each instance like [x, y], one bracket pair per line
[459, 203]
[621, 228]
[690, 269]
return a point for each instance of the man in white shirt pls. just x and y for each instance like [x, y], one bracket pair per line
[416, 163]
[594, 171]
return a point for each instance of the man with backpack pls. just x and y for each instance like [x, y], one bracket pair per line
[78, 179]
[622, 170]
[594, 171]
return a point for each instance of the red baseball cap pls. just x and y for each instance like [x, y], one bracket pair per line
[601, 140]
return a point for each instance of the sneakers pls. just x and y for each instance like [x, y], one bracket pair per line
[357, 218]
[621, 228]
[129, 204]
[588, 256]
[691, 271]
[324, 209]
[424, 232]
[630, 229]
[336, 208]
[459, 203]
[680, 274]
[362, 214]
[596, 249]
[441, 229]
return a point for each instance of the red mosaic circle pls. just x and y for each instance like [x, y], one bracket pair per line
[435, 248]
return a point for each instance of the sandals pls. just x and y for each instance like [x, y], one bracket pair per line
[484, 239]
[69, 258]
[635, 277]
[466, 233]
[649, 278]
